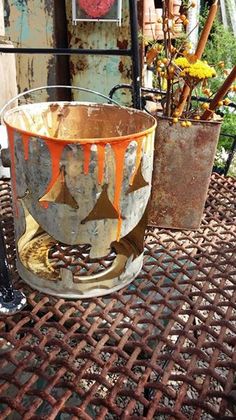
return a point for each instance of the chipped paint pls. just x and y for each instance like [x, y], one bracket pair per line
[72, 185]
[29, 25]
[100, 73]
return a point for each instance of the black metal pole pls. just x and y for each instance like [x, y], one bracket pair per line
[66, 51]
[5, 282]
[11, 300]
[62, 62]
[135, 53]
[230, 157]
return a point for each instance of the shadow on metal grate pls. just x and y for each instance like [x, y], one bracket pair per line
[162, 348]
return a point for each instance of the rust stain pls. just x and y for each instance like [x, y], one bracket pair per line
[183, 160]
[80, 65]
[122, 45]
[125, 69]
[121, 67]
[73, 68]
[78, 42]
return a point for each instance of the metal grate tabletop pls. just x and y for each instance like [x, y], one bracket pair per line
[162, 348]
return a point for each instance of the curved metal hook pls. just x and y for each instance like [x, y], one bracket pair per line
[20, 95]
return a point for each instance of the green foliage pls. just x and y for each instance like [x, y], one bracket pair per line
[220, 52]
[221, 45]
[229, 123]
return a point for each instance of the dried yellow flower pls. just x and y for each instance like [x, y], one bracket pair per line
[199, 70]
[182, 62]
[227, 101]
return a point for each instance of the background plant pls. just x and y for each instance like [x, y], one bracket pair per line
[175, 67]
[220, 52]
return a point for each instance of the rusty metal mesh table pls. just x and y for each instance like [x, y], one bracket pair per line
[162, 348]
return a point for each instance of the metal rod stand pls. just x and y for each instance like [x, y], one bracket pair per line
[230, 157]
[11, 300]
[135, 54]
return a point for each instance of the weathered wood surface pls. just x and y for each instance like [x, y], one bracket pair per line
[8, 85]
[2, 29]
[100, 73]
[30, 24]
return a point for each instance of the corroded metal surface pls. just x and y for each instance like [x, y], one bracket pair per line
[162, 348]
[100, 72]
[183, 162]
[81, 174]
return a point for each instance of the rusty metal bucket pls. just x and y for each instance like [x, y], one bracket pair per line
[81, 179]
[183, 161]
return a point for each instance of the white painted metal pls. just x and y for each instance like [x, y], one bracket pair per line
[116, 19]
[193, 26]
[231, 6]
[223, 13]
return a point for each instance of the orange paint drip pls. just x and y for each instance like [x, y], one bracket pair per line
[55, 149]
[25, 141]
[119, 150]
[44, 204]
[138, 159]
[13, 167]
[101, 162]
[87, 154]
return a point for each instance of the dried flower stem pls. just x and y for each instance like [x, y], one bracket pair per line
[199, 51]
[220, 95]
[189, 99]
[167, 8]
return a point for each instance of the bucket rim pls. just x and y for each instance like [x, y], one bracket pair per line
[94, 140]
[192, 120]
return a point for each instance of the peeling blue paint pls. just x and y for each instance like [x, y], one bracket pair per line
[30, 24]
[22, 23]
[112, 65]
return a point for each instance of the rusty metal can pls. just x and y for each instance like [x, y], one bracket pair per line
[183, 161]
[81, 176]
